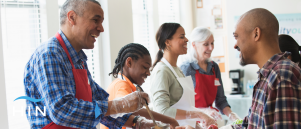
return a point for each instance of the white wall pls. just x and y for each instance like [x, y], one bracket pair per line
[53, 17]
[119, 20]
[204, 18]
[238, 7]
[3, 108]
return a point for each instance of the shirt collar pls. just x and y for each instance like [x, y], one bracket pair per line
[196, 66]
[75, 56]
[128, 81]
[265, 70]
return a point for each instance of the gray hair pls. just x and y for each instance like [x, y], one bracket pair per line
[78, 6]
[198, 35]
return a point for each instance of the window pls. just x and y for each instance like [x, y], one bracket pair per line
[23, 29]
[168, 11]
[141, 21]
[144, 17]
[93, 56]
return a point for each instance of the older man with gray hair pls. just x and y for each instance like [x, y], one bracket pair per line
[57, 72]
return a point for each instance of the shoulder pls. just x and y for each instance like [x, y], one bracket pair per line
[50, 48]
[48, 52]
[186, 68]
[161, 67]
[118, 84]
[286, 71]
[215, 66]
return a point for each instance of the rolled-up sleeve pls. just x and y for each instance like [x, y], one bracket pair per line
[62, 106]
[160, 83]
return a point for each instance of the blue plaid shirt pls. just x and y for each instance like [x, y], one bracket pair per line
[48, 74]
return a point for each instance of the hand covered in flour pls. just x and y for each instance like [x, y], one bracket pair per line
[144, 123]
[233, 117]
[129, 103]
[213, 112]
[205, 119]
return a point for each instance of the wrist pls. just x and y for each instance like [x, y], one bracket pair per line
[134, 125]
[192, 114]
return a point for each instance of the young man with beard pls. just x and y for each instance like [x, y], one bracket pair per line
[276, 97]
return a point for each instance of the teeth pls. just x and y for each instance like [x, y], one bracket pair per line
[93, 35]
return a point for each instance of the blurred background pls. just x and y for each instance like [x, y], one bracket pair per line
[24, 24]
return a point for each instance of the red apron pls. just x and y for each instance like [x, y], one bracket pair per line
[83, 89]
[205, 89]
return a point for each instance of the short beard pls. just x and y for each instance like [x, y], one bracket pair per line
[242, 61]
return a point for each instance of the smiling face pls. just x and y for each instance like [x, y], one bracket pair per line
[87, 27]
[139, 69]
[244, 44]
[178, 43]
[204, 49]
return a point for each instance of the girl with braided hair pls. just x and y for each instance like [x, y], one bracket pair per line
[132, 67]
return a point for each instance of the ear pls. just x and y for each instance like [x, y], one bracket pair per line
[193, 44]
[257, 34]
[71, 17]
[129, 62]
[167, 42]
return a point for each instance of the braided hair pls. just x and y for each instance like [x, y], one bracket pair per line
[133, 50]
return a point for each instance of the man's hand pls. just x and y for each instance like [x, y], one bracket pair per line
[129, 103]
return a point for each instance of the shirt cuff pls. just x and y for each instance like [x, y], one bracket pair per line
[222, 106]
[103, 106]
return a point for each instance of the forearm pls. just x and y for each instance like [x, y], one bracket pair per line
[110, 111]
[227, 110]
[129, 122]
[157, 116]
[181, 114]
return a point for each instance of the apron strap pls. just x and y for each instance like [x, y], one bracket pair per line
[61, 41]
[169, 66]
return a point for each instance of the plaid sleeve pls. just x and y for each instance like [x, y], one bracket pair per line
[282, 109]
[108, 121]
[62, 106]
[117, 123]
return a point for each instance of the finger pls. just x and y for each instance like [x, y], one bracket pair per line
[145, 96]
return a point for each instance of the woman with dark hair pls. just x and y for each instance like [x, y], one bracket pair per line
[287, 43]
[171, 92]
